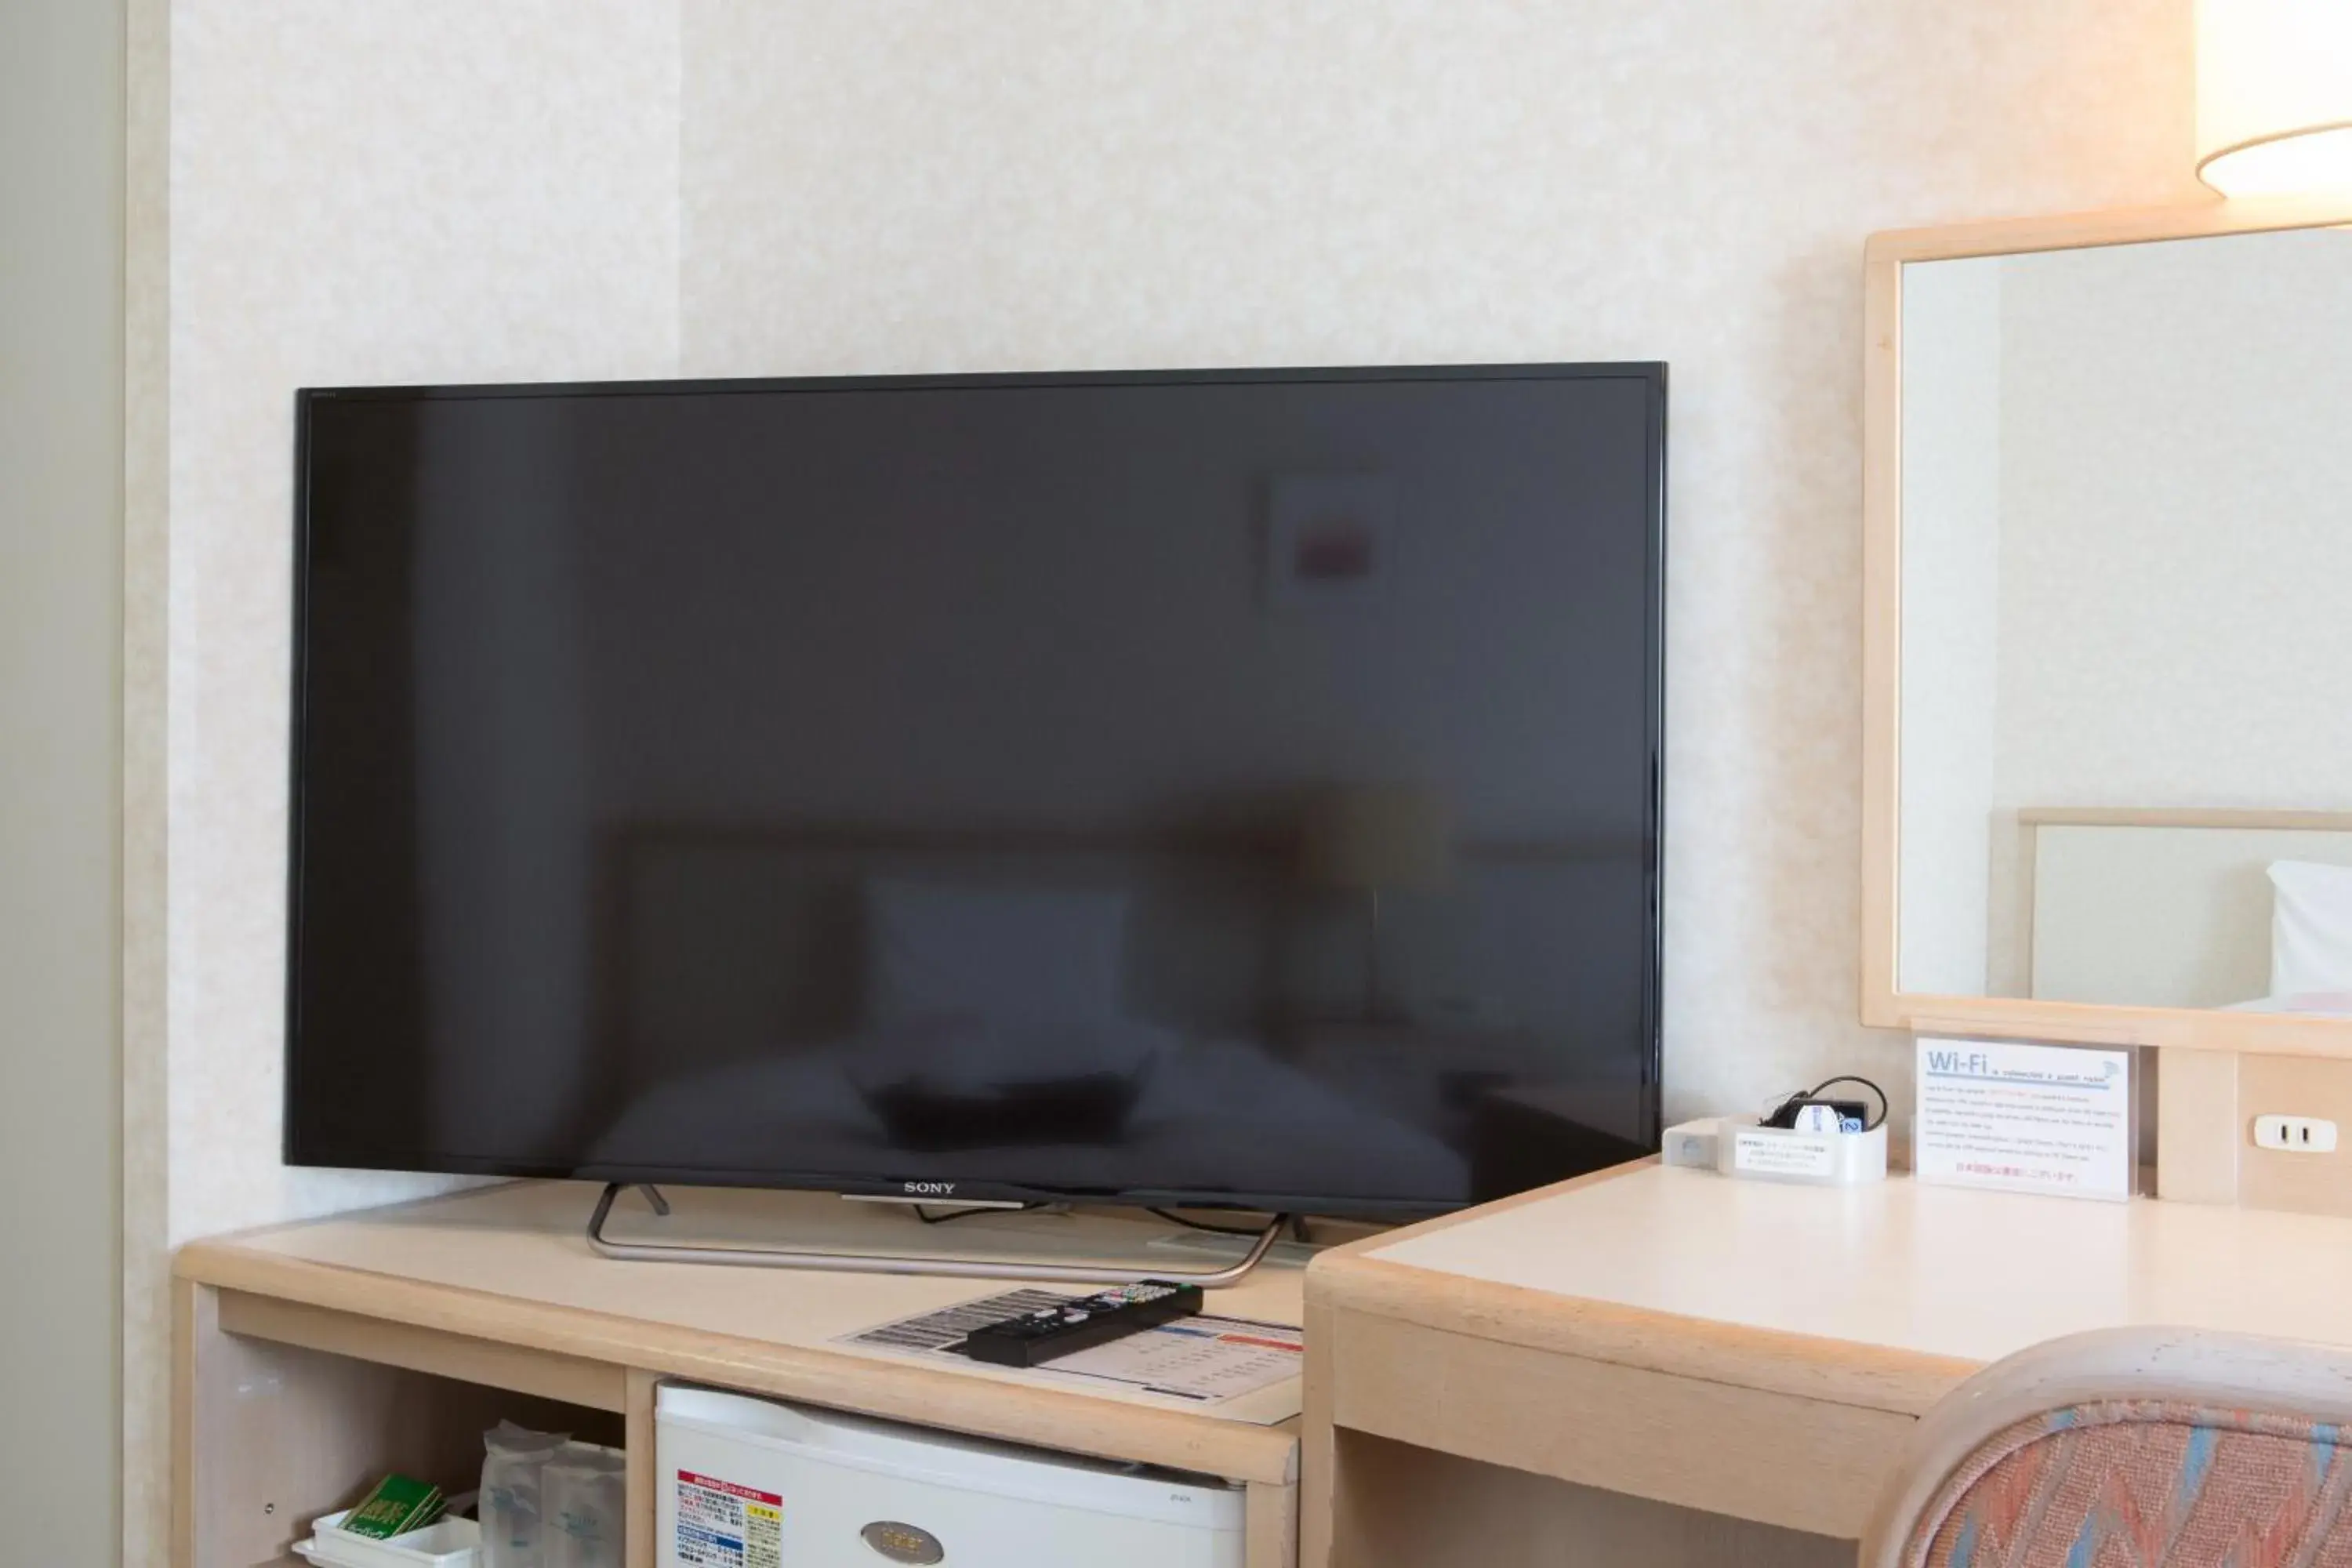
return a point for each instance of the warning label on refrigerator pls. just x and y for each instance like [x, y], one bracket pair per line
[723, 1525]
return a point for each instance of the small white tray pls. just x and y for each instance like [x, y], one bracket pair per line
[451, 1543]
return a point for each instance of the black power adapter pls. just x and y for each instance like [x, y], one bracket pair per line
[1849, 1115]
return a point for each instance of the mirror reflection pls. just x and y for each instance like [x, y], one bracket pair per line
[2127, 632]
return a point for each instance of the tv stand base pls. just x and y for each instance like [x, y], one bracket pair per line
[1003, 1268]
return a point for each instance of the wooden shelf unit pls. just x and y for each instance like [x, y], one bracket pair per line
[309, 1359]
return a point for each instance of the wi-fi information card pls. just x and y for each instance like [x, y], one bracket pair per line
[2025, 1119]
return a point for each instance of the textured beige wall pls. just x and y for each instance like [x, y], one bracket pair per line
[146, 755]
[61, 97]
[430, 192]
[439, 190]
[931, 185]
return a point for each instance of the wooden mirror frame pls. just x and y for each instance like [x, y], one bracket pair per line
[1884, 1003]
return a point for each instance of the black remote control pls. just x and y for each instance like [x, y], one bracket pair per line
[1035, 1338]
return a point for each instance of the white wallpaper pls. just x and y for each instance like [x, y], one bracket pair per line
[439, 190]
[444, 189]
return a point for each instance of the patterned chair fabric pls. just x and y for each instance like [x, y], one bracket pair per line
[2144, 1483]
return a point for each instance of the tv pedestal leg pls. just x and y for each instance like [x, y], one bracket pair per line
[999, 1267]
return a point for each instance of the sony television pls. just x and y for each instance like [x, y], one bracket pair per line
[1207, 788]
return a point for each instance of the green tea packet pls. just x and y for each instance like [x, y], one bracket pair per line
[394, 1506]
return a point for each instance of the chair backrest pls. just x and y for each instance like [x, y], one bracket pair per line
[2131, 1448]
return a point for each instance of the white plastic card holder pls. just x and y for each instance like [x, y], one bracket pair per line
[1761, 1154]
[2062, 1121]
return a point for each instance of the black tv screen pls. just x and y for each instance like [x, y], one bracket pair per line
[1229, 788]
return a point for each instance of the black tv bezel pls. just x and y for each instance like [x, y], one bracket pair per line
[1651, 373]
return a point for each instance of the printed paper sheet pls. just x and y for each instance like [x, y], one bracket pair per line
[1206, 1361]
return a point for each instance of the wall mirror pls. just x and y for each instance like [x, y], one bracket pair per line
[2110, 630]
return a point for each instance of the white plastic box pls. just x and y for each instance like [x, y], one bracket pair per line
[744, 1483]
[1757, 1153]
[449, 1543]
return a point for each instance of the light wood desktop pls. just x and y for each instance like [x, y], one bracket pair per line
[1579, 1369]
[310, 1359]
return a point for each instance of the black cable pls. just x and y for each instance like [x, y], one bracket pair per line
[1814, 1093]
[955, 1215]
[1174, 1218]
[1168, 1215]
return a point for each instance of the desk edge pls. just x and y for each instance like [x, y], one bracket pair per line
[1355, 1277]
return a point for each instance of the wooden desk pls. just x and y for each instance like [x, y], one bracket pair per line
[1506, 1383]
[310, 1359]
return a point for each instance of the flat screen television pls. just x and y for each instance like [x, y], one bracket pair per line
[1231, 788]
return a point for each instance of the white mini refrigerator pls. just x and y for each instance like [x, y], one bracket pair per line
[745, 1483]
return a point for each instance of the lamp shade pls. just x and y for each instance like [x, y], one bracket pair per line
[2274, 96]
[1379, 837]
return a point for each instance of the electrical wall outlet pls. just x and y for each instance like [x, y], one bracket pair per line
[2295, 1134]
